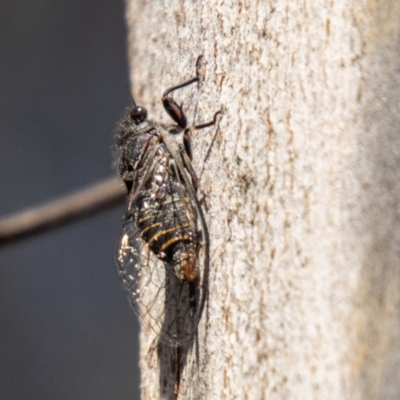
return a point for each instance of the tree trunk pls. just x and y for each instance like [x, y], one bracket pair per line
[303, 187]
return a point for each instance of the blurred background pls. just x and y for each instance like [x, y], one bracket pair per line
[66, 329]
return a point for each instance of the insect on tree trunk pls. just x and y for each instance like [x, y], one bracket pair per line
[302, 183]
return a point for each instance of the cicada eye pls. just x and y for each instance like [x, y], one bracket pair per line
[138, 114]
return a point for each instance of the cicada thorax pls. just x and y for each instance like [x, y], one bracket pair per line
[167, 220]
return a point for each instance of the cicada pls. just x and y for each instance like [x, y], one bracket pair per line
[162, 254]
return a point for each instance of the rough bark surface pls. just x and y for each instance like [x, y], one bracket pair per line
[303, 186]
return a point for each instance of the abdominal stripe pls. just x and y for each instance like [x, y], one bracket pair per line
[158, 235]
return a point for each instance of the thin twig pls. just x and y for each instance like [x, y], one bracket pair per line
[79, 205]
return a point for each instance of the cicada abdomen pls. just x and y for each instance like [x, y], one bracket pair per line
[168, 221]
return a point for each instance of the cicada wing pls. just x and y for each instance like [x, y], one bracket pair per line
[142, 275]
[185, 299]
[181, 312]
[163, 302]
[169, 305]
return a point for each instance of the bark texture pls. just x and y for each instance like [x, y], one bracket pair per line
[303, 185]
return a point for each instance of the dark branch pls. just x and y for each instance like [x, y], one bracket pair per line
[60, 212]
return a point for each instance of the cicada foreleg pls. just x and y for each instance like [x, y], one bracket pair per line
[171, 106]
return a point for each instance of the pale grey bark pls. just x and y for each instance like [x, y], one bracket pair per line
[303, 185]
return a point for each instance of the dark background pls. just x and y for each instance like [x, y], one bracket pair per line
[66, 330]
